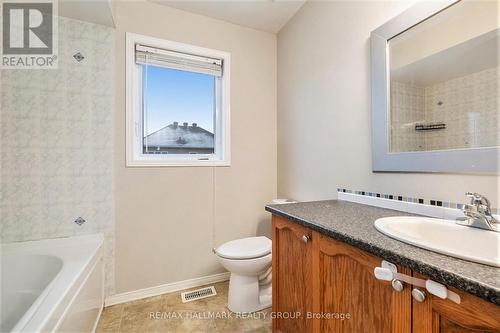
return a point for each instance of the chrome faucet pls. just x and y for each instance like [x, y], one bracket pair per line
[478, 213]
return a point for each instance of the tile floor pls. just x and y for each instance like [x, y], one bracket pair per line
[208, 315]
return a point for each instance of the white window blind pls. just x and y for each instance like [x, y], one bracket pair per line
[145, 55]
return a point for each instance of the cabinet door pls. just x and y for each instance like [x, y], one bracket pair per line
[344, 285]
[292, 282]
[436, 315]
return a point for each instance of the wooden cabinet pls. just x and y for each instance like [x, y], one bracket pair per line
[292, 276]
[332, 286]
[343, 284]
[436, 315]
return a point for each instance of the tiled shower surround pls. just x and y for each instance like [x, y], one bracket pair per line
[468, 105]
[57, 143]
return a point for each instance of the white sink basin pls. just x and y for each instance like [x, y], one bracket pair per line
[444, 236]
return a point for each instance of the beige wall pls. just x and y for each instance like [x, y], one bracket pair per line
[324, 109]
[164, 215]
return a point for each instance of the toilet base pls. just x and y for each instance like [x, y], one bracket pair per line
[245, 294]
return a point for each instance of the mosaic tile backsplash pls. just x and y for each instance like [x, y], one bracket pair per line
[467, 105]
[57, 143]
[423, 201]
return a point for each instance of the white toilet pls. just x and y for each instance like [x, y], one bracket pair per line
[250, 284]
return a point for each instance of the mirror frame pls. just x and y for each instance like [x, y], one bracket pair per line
[463, 160]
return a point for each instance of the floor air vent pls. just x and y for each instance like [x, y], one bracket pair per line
[197, 294]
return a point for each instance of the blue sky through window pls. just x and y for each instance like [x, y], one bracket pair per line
[174, 95]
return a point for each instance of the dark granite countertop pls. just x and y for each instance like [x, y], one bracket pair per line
[352, 223]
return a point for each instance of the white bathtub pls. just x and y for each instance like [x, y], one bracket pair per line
[52, 285]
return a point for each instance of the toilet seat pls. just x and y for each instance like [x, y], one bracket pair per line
[245, 248]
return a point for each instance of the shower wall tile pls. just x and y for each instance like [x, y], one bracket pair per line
[56, 143]
[469, 106]
[407, 105]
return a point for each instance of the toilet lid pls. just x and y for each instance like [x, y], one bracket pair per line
[245, 248]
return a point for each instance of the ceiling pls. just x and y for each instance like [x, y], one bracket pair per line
[472, 56]
[265, 15]
[95, 11]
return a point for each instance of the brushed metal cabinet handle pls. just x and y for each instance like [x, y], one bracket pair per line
[418, 295]
[397, 285]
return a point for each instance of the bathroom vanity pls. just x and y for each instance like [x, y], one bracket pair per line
[324, 256]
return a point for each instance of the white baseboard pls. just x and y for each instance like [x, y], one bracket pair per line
[164, 288]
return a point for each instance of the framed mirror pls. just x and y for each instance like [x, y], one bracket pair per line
[435, 89]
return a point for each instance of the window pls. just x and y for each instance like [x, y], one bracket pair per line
[177, 104]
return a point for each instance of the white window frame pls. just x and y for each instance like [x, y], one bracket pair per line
[134, 115]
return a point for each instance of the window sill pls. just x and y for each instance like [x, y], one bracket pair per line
[196, 163]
